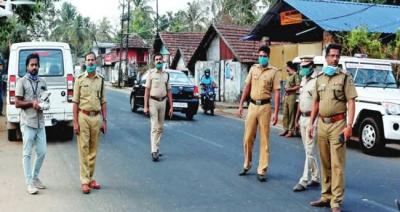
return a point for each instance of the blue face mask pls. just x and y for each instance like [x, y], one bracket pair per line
[33, 77]
[91, 69]
[305, 71]
[159, 66]
[263, 61]
[329, 70]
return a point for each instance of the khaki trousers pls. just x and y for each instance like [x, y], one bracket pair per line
[310, 164]
[257, 116]
[289, 112]
[333, 157]
[157, 116]
[88, 137]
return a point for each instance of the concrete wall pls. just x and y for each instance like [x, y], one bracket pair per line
[181, 64]
[213, 52]
[231, 86]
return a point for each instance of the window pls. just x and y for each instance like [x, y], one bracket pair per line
[372, 75]
[51, 62]
[179, 78]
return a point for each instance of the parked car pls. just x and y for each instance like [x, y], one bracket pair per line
[56, 68]
[377, 114]
[185, 94]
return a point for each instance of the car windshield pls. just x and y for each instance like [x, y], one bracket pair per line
[51, 62]
[373, 76]
[178, 78]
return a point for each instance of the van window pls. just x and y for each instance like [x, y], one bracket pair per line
[372, 75]
[51, 62]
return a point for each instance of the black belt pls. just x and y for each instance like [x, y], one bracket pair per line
[260, 101]
[160, 99]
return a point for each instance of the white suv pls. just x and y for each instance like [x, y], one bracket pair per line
[56, 68]
[377, 115]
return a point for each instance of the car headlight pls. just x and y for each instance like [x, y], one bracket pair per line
[392, 108]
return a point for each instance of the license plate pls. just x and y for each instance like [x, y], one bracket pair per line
[180, 104]
[48, 116]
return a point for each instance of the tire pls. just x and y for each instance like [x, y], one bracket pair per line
[189, 115]
[12, 135]
[212, 111]
[134, 107]
[68, 133]
[371, 136]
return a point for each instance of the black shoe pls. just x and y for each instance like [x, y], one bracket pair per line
[154, 156]
[244, 172]
[313, 183]
[319, 203]
[397, 203]
[299, 187]
[261, 178]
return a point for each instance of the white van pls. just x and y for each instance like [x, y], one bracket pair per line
[56, 68]
[377, 115]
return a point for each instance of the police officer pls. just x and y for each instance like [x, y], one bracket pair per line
[333, 91]
[157, 91]
[90, 117]
[307, 87]
[261, 81]
[289, 103]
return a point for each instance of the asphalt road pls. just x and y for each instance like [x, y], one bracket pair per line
[197, 172]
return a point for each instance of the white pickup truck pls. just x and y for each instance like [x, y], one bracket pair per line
[377, 115]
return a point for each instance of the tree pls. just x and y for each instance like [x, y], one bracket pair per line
[142, 22]
[104, 30]
[194, 16]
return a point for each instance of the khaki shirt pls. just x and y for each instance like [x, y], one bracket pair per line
[263, 81]
[292, 80]
[158, 83]
[333, 93]
[31, 90]
[306, 94]
[87, 92]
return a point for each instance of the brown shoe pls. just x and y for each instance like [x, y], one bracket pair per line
[313, 183]
[319, 203]
[336, 209]
[283, 133]
[289, 135]
[94, 185]
[85, 189]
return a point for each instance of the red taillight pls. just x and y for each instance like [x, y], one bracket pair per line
[12, 83]
[70, 87]
[196, 91]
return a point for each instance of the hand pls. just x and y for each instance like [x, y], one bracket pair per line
[76, 128]
[310, 131]
[275, 119]
[146, 110]
[347, 132]
[35, 105]
[296, 125]
[104, 127]
[171, 112]
[240, 112]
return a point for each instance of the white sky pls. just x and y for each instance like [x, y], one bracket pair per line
[97, 9]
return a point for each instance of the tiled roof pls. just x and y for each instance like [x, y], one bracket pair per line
[245, 51]
[134, 42]
[187, 42]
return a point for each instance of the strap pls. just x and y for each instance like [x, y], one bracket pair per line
[34, 90]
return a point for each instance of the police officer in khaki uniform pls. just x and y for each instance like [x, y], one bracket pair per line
[90, 117]
[261, 81]
[289, 102]
[303, 114]
[157, 91]
[333, 96]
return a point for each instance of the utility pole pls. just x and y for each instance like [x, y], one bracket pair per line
[127, 39]
[121, 45]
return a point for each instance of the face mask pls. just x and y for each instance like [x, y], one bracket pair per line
[207, 74]
[91, 69]
[329, 70]
[305, 71]
[33, 76]
[263, 61]
[159, 66]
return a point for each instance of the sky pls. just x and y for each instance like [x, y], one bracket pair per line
[96, 9]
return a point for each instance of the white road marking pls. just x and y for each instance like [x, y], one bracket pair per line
[201, 139]
[379, 205]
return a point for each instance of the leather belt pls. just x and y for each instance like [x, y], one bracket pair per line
[260, 101]
[160, 99]
[306, 114]
[333, 119]
[90, 113]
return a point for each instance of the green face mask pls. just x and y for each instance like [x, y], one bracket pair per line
[305, 71]
[91, 69]
[159, 66]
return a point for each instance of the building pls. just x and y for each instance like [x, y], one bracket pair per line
[227, 56]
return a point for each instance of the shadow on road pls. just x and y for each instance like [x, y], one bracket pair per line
[390, 151]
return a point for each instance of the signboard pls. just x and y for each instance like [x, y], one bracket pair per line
[290, 17]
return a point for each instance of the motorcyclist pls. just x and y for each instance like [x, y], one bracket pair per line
[205, 81]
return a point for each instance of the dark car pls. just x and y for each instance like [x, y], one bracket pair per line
[184, 93]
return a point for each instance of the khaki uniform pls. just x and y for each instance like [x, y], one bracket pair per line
[263, 81]
[87, 94]
[332, 93]
[305, 104]
[158, 83]
[289, 103]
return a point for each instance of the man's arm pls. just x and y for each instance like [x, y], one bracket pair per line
[21, 103]
[348, 131]
[146, 100]
[297, 117]
[171, 104]
[314, 113]
[295, 88]
[75, 110]
[277, 97]
[245, 94]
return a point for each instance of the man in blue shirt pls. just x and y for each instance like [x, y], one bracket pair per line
[206, 80]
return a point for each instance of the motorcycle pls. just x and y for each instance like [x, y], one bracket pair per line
[208, 99]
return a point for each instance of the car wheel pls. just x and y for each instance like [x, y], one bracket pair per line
[371, 139]
[189, 115]
[133, 104]
[12, 135]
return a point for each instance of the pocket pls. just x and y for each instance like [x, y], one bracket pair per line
[338, 92]
[321, 92]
